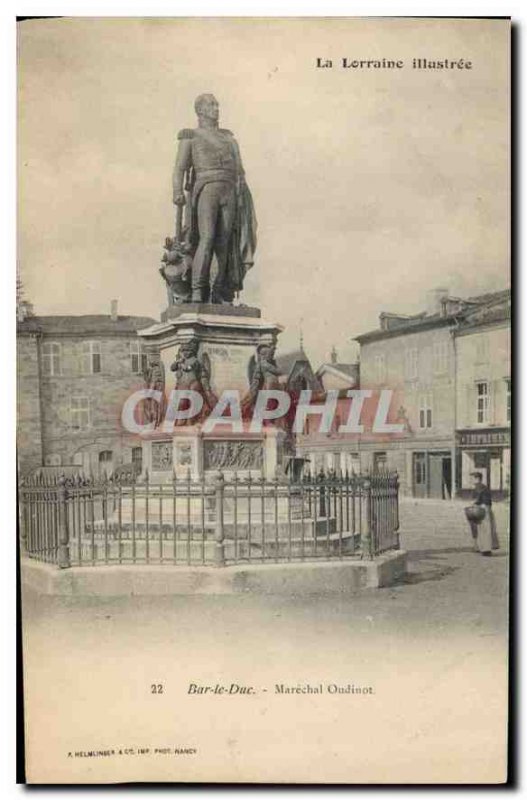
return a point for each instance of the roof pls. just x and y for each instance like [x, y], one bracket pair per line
[98, 324]
[347, 369]
[496, 309]
[469, 308]
[417, 324]
[346, 372]
[287, 361]
[490, 297]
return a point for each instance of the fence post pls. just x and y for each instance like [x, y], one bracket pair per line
[23, 517]
[367, 548]
[219, 543]
[396, 503]
[63, 532]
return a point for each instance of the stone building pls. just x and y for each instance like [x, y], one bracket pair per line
[449, 369]
[331, 450]
[484, 394]
[74, 374]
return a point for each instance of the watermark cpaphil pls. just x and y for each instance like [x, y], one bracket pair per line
[271, 405]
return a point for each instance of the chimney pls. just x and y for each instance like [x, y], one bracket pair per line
[435, 298]
[333, 355]
[113, 312]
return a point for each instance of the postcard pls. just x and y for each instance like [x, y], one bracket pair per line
[264, 399]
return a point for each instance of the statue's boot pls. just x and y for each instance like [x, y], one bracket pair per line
[216, 298]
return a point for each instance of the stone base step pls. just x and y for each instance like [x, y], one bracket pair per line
[199, 530]
[204, 551]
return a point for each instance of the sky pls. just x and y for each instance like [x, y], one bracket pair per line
[371, 186]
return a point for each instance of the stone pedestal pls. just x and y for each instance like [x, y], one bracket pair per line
[191, 452]
[228, 337]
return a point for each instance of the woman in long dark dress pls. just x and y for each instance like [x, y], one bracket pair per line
[485, 534]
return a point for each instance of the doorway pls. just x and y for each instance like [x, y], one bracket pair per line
[420, 475]
[440, 476]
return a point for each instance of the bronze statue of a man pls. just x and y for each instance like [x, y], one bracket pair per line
[220, 218]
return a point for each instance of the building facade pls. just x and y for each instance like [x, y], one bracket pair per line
[74, 374]
[449, 372]
[415, 359]
[484, 395]
[449, 369]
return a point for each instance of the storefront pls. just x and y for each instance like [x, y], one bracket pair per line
[487, 451]
[432, 474]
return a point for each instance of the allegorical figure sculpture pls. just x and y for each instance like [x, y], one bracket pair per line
[176, 270]
[220, 221]
[263, 374]
[154, 377]
[193, 372]
[263, 371]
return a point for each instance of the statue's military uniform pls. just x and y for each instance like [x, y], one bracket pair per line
[212, 160]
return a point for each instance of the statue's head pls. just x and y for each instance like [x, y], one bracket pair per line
[190, 348]
[265, 350]
[207, 106]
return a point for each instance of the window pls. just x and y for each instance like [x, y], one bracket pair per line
[352, 462]
[137, 456]
[425, 411]
[380, 368]
[91, 358]
[51, 358]
[411, 362]
[138, 359]
[380, 461]
[509, 398]
[105, 456]
[480, 460]
[440, 356]
[482, 402]
[80, 412]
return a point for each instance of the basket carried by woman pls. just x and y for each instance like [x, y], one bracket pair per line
[475, 514]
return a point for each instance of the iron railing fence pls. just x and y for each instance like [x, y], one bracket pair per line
[219, 520]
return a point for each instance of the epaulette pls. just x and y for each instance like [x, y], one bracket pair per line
[226, 130]
[186, 133]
